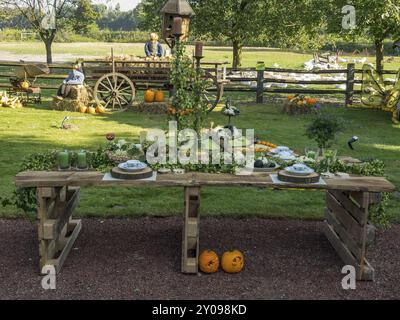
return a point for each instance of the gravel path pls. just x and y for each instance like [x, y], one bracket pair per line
[140, 259]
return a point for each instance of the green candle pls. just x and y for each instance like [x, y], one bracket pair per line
[82, 160]
[63, 160]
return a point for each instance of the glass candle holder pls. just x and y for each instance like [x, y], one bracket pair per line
[63, 160]
[81, 160]
[312, 153]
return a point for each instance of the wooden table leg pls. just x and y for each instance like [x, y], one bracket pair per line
[190, 241]
[347, 229]
[57, 230]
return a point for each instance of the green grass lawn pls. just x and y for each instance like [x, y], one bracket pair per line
[36, 128]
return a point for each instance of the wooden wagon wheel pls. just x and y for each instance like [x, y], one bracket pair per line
[114, 90]
[214, 99]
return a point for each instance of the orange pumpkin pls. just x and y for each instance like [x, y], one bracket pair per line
[311, 101]
[82, 108]
[149, 96]
[100, 109]
[159, 96]
[232, 261]
[208, 262]
[290, 98]
[91, 110]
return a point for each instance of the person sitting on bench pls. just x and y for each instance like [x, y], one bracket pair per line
[75, 77]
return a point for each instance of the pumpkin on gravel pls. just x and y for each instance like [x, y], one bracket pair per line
[208, 261]
[232, 261]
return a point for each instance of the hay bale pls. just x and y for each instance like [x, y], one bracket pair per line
[152, 108]
[78, 95]
[66, 104]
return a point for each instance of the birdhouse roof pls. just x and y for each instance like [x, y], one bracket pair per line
[178, 7]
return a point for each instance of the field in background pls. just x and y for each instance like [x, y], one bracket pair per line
[71, 51]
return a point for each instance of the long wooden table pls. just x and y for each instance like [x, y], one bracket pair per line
[346, 215]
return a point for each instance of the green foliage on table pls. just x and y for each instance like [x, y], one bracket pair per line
[324, 129]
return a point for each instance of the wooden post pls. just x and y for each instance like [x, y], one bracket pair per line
[190, 234]
[260, 86]
[346, 227]
[350, 84]
[57, 231]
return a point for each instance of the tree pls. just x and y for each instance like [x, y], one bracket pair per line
[43, 16]
[236, 20]
[149, 15]
[378, 20]
[275, 21]
[84, 16]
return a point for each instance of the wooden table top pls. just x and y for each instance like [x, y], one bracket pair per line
[262, 180]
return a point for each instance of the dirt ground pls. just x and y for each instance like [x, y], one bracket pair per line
[140, 259]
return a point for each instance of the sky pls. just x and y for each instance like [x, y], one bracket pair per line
[125, 4]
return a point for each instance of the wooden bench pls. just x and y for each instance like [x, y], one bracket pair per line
[346, 225]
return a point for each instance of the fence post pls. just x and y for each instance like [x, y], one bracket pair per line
[260, 86]
[350, 84]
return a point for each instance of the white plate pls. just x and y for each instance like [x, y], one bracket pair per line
[124, 166]
[304, 173]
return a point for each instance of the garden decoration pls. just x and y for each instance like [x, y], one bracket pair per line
[299, 104]
[230, 111]
[23, 83]
[208, 262]
[232, 261]
[9, 102]
[173, 11]
[379, 95]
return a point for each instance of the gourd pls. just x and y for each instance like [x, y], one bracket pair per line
[100, 109]
[208, 262]
[149, 96]
[159, 96]
[82, 108]
[24, 85]
[232, 261]
[91, 110]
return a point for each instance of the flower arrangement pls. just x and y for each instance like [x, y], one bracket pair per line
[300, 104]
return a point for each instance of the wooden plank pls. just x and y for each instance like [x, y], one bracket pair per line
[359, 198]
[360, 215]
[53, 227]
[190, 234]
[50, 193]
[259, 180]
[345, 218]
[59, 262]
[364, 273]
[345, 237]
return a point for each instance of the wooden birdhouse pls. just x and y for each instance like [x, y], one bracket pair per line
[176, 9]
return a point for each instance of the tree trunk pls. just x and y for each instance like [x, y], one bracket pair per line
[49, 57]
[237, 54]
[379, 47]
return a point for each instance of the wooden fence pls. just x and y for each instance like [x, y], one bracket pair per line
[352, 78]
[350, 81]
